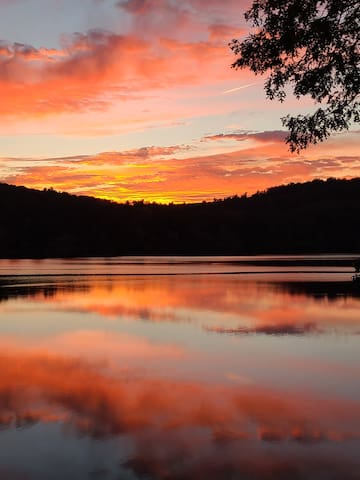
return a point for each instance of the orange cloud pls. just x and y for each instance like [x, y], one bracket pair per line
[184, 173]
[94, 69]
[171, 45]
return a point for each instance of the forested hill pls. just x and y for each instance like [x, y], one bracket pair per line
[314, 217]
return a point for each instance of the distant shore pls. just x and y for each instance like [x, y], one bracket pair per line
[303, 218]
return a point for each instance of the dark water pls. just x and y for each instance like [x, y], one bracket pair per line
[180, 369]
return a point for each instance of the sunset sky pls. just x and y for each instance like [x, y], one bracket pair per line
[135, 99]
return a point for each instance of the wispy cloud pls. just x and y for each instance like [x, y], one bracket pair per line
[270, 136]
[180, 172]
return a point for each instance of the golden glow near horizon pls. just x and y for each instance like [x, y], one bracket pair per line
[143, 104]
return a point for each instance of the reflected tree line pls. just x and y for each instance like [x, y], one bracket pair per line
[313, 217]
[15, 289]
[331, 291]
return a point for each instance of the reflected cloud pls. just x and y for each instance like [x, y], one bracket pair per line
[281, 329]
[107, 403]
[110, 348]
[171, 402]
[175, 426]
[234, 305]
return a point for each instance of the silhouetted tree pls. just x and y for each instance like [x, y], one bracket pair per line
[312, 45]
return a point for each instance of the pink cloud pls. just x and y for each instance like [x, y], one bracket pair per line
[168, 44]
[93, 69]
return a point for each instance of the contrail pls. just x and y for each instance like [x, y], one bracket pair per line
[232, 90]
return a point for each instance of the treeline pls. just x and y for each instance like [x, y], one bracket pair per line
[313, 217]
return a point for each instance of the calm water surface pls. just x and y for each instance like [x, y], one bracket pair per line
[189, 368]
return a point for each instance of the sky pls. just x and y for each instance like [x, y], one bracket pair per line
[136, 99]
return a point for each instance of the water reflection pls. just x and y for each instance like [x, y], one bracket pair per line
[179, 429]
[179, 378]
[176, 427]
[224, 304]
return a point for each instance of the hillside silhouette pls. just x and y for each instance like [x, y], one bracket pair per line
[313, 217]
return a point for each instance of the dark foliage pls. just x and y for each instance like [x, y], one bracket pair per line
[312, 45]
[314, 217]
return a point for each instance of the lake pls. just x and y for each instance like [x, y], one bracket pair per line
[180, 368]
